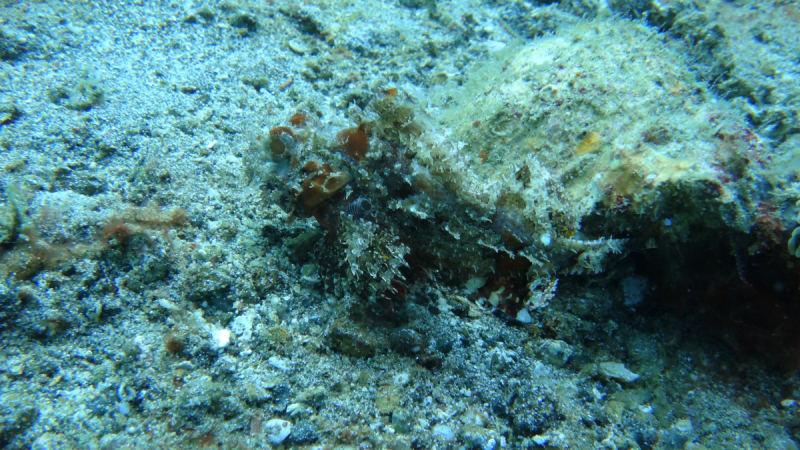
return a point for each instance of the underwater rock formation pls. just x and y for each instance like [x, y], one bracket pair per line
[548, 162]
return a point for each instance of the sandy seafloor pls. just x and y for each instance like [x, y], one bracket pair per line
[149, 299]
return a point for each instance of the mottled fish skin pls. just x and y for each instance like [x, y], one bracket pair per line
[508, 220]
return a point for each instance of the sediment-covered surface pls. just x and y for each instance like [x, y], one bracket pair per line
[410, 224]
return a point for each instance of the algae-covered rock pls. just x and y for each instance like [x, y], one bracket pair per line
[551, 160]
[593, 115]
[575, 140]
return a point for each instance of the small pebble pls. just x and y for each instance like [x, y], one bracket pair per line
[683, 425]
[279, 363]
[184, 365]
[556, 352]
[222, 338]
[617, 371]
[401, 379]
[277, 430]
[443, 432]
[297, 47]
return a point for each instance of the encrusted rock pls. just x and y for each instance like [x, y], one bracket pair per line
[556, 352]
[277, 430]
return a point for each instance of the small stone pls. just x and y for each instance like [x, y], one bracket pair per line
[683, 425]
[401, 379]
[281, 394]
[296, 409]
[222, 338]
[617, 371]
[297, 47]
[443, 432]
[242, 327]
[168, 305]
[277, 430]
[49, 441]
[279, 363]
[788, 403]
[184, 365]
[304, 433]
[556, 352]
[17, 368]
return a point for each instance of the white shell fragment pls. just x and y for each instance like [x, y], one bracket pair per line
[297, 46]
[617, 371]
[443, 432]
[222, 337]
[296, 409]
[279, 363]
[524, 316]
[183, 365]
[277, 430]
